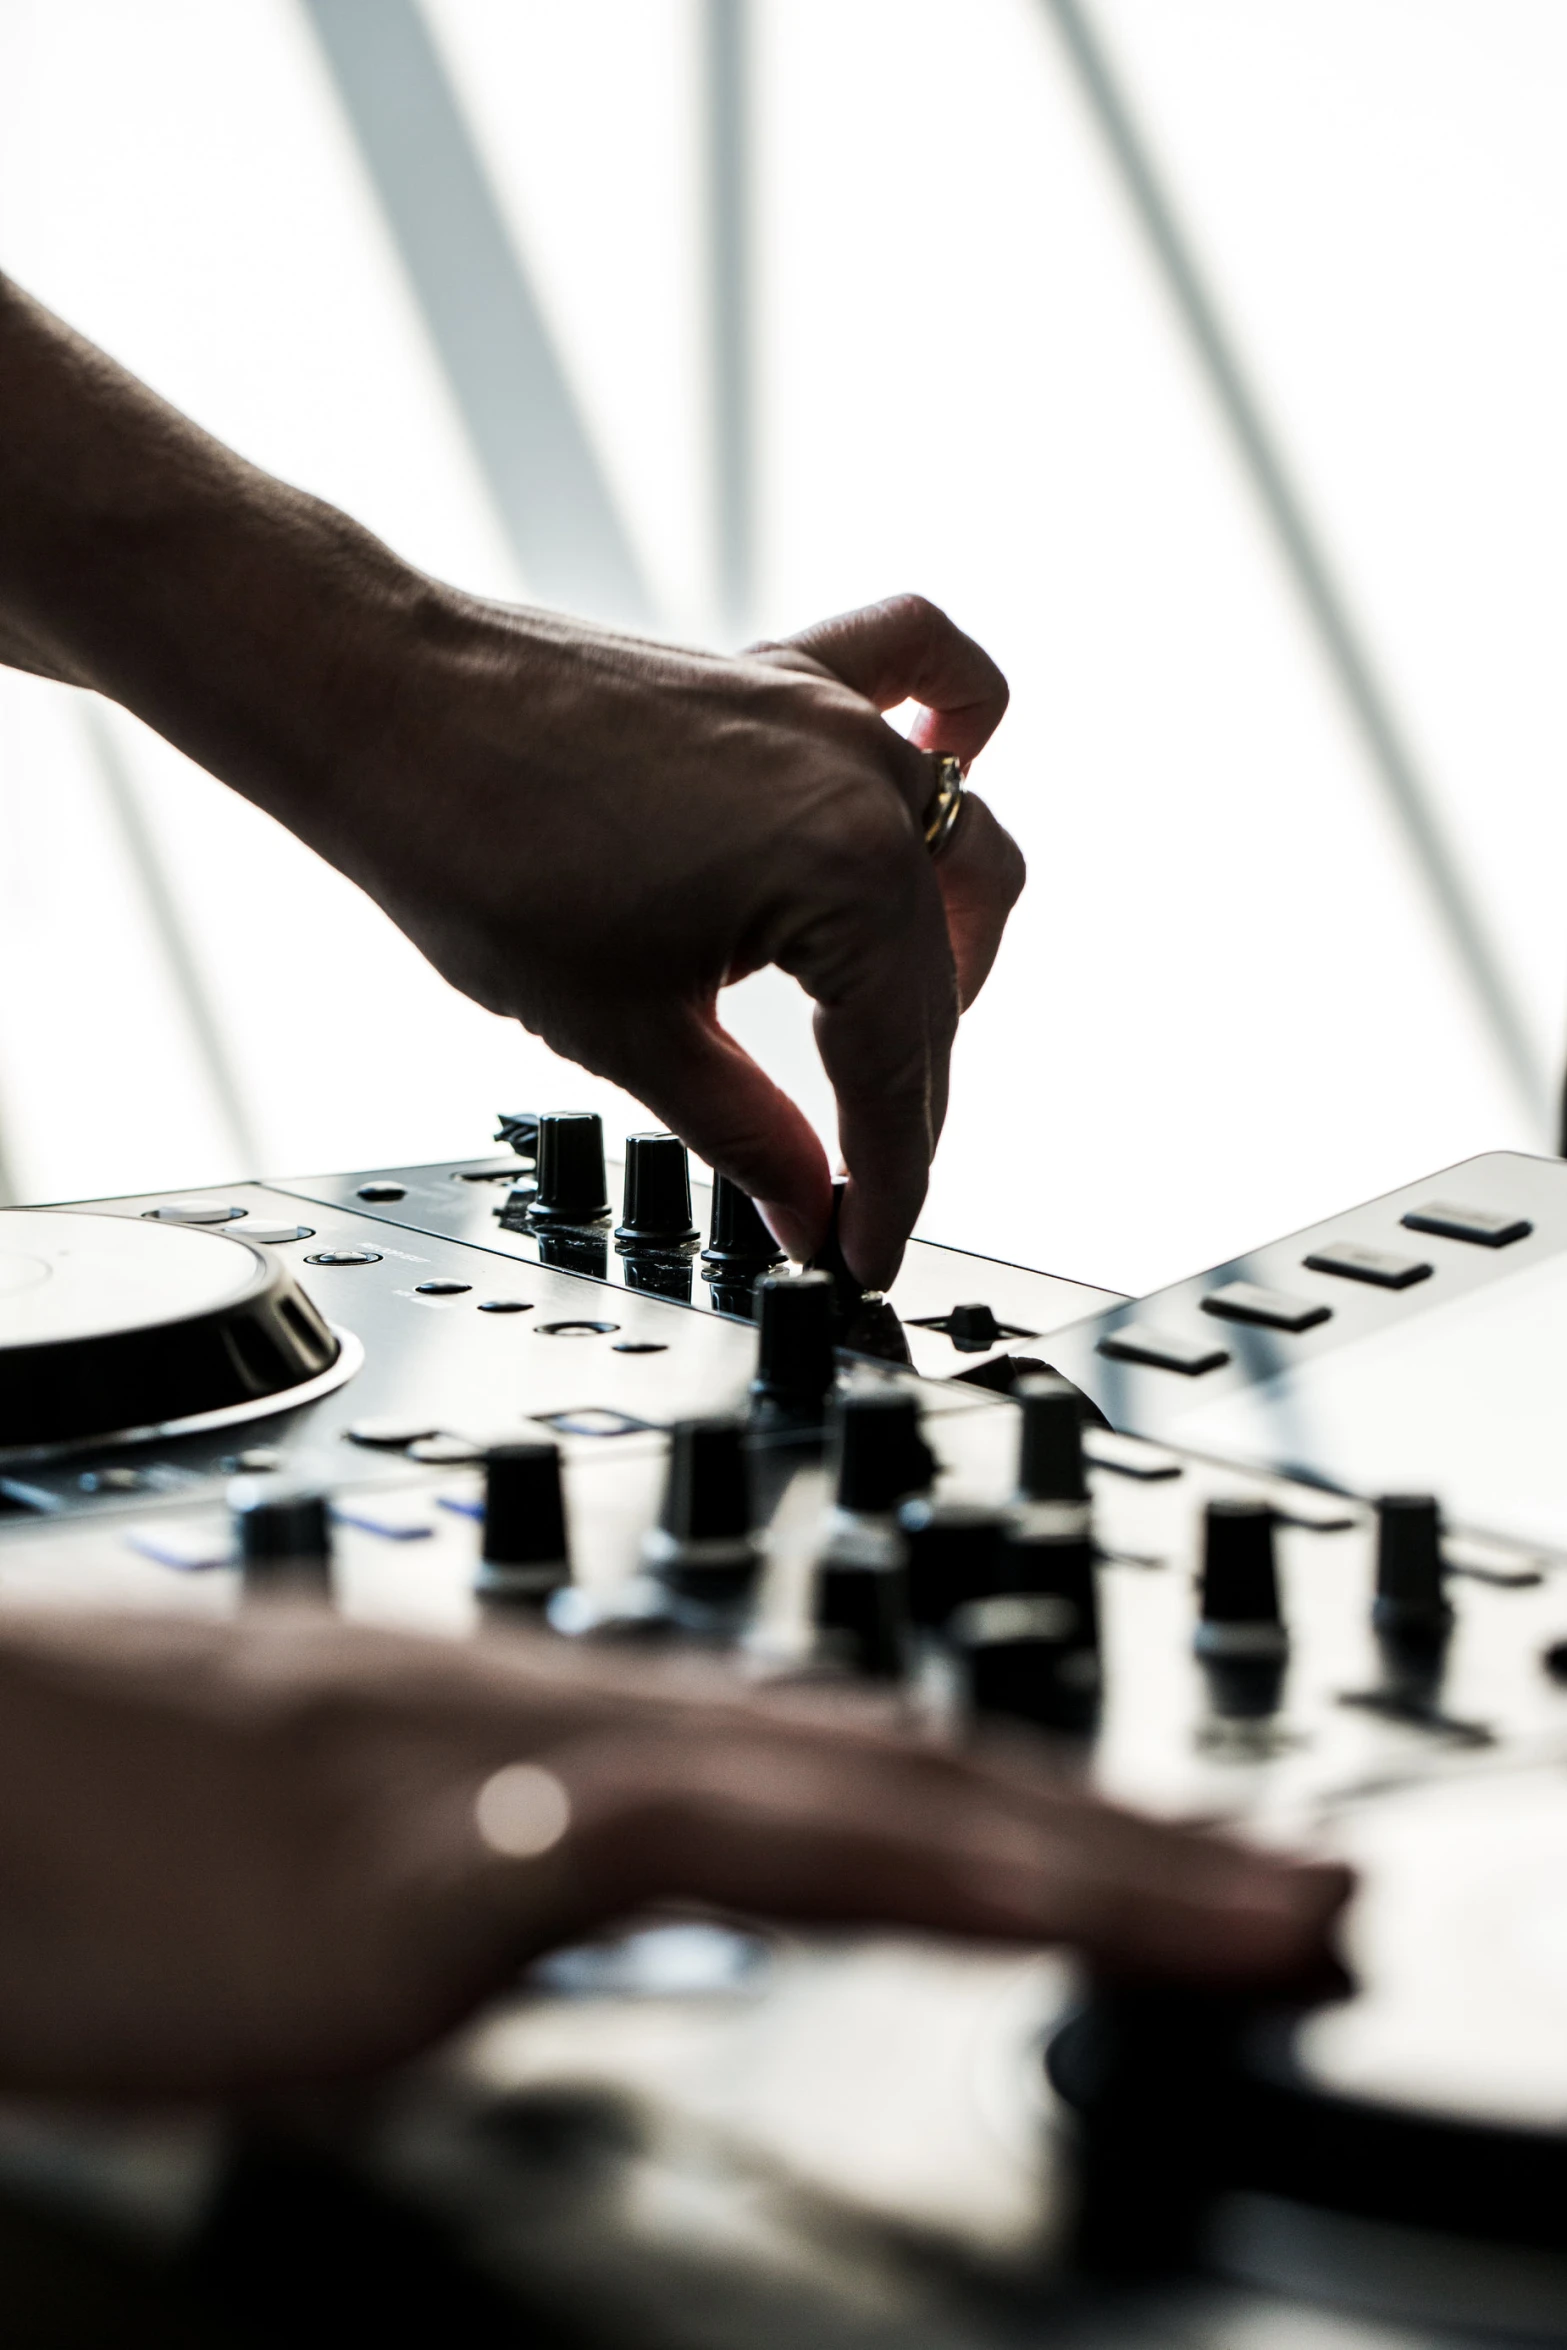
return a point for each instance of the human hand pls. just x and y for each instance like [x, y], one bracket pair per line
[597, 833]
[283, 1850]
[588, 831]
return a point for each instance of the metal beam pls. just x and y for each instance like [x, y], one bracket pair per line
[168, 923]
[483, 318]
[1341, 638]
[726, 43]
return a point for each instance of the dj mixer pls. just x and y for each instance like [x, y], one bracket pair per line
[1280, 1546]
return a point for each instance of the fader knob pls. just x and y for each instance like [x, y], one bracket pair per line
[879, 1455]
[525, 1552]
[569, 1168]
[1240, 1586]
[1050, 1459]
[656, 1204]
[1410, 1598]
[736, 1235]
[284, 1535]
[794, 1357]
[703, 1549]
[953, 1548]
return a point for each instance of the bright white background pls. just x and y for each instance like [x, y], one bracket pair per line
[1223, 1008]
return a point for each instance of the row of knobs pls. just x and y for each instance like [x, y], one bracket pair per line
[1009, 1594]
[571, 1188]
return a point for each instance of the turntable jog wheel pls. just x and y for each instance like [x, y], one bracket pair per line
[114, 1327]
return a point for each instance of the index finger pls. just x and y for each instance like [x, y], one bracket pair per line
[886, 1013]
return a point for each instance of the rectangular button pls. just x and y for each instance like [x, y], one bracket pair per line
[1248, 1301]
[1163, 1349]
[1354, 1262]
[1485, 1227]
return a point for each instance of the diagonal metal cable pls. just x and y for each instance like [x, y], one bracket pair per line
[726, 42]
[479, 308]
[1339, 635]
[173, 937]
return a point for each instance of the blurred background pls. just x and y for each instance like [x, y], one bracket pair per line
[1205, 358]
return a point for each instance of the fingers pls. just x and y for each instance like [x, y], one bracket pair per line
[980, 875]
[792, 1830]
[906, 649]
[886, 999]
[710, 1092]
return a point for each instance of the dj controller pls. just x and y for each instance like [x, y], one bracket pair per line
[1281, 1546]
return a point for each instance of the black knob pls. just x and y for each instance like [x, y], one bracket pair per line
[736, 1235]
[569, 1168]
[284, 1534]
[794, 1357]
[1241, 1620]
[972, 1328]
[525, 1553]
[953, 1551]
[1411, 1597]
[656, 1204]
[1050, 1461]
[703, 1550]
[707, 1494]
[879, 1455]
[1022, 1656]
[861, 1614]
[1060, 1566]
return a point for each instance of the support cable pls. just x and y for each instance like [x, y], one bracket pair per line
[1341, 639]
[479, 308]
[726, 41]
[174, 939]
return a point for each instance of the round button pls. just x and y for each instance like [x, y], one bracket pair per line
[345, 1256]
[640, 1346]
[273, 1235]
[383, 1191]
[193, 1211]
[504, 1305]
[445, 1451]
[389, 1435]
[442, 1288]
[578, 1329]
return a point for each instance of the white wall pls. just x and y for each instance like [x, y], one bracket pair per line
[1224, 1006]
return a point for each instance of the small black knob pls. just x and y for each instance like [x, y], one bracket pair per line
[707, 1494]
[953, 1552]
[570, 1168]
[794, 1357]
[1410, 1571]
[1050, 1461]
[525, 1554]
[1241, 1619]
[1022, 1656]
[284, 1534]
[1063, 1567]
[703, 1550]
[972, 1328]
[861, 1615]
[736, 1235]
[656, 1205]
[879, 1455]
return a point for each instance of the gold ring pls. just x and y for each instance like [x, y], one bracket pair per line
[945, 804]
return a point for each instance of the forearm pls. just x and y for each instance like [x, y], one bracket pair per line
[244, 620]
